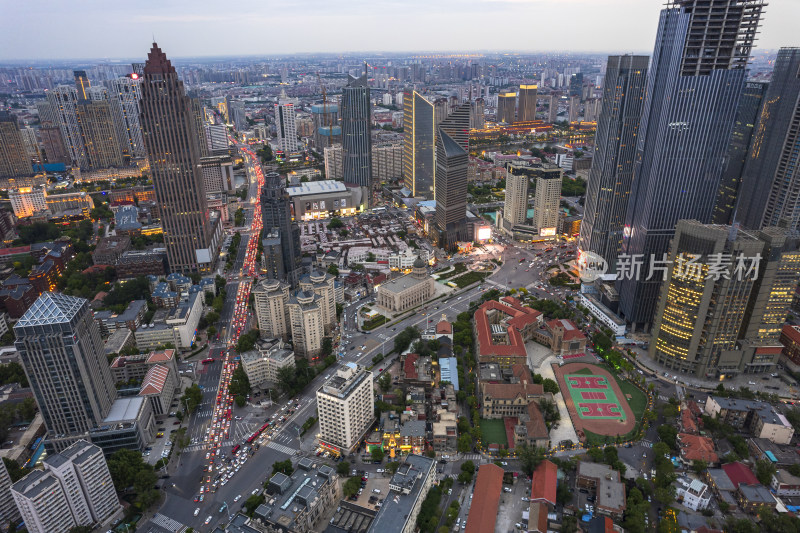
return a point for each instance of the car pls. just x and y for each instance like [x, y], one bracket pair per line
[506, 489]
[503, 463]
[449, 492]
[197, 511]
[208, 520]
[376, 491]
[255, 491]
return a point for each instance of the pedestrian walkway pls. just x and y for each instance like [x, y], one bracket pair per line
[472, 457]
[167, 522]
[281, 448]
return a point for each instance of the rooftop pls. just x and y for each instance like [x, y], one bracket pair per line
[543, 483]
[124, 410]
[316, 187]
[397, 506]
[51, 307]
[739, 473]
[486, 499]
[398, 285]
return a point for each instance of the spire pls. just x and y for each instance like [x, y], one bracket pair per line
[157, 62]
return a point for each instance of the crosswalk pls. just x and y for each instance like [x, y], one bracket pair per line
[471, 456]
[167, 523]
[281, 448]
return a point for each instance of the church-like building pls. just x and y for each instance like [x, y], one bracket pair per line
[406, 292]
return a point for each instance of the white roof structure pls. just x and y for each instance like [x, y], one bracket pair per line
[316, 187]
[51, 308]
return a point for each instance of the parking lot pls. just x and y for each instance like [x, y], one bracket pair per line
[368, 497]
[512, 505]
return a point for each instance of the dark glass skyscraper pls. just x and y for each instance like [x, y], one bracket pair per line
[356, 137]
[609, 186]
[771, 181]
[419, 144]
[172, 144]
[694, 84]
[277, 220]
[750, 106]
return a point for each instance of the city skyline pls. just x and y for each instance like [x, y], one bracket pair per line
[186, 30]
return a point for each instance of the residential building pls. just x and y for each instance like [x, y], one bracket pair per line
[419, 145]
[515, 210]
[272, 313]
[63, 101]
[506, 107]
[356, 116]
[168, 126]
[546, 203]
[692, 493]
[327, 131]
[124, 95]
[486, 499]
[697, 448]
[8, 509]
[14, 159]
[694, 82]
[130, 425]
[110, 249]
[42, 503]
[609, 490]
[25, 201]
[93, 113]
[136, 367]
[218, 174]
[286, 127]
[321, 284]
[527, 103]
[262, 365]
[761, 419]
[785, 484]
[307, 324]
[445, 433]
[574, 109]
[552, 108]
[610, 180]
[346, 406]
[771, 174]
[408, 488]
[62, 352]
[716, 326]
[790, 340]
[408, 291]
[387, 162]
[334, 162]
[276, 213]
[754, 499]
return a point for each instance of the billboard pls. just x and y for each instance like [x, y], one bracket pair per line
[484, 233]
[547, 232]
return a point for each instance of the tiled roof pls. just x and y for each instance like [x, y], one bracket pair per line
[510, 391]
[739, 473]
[543, 483]
[160, 357]
[154, 380]
[571, 331]
[409, 369]
[486, 499]
[697, 448]
[444, 327]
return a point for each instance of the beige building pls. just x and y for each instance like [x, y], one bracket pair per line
[346, 406]
[307, 324]
[8, 509]
[159, 388]
[58, 203]
[14, 159]
[407, 291]
[271, 299]
[546, 203]
[262, 365]
[321, 284]
[516, 209]
[42, 503]
[28, 200]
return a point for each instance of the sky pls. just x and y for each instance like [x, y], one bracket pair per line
[67, 29]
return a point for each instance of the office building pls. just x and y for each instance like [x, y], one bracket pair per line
[591, 110]
[419, 145]
[14, 159]
[477, 117]
[694, 84]
[236, 114]
[506, 107]
[527, 103]
[99, 135]
[307, 324]
[546, 203]
[63, 101]
[26, 201]
[124, 96]
[405, 292]
[321, 284]
[718, 328]
[334, 162]
[286, 127]
[62, 352]
[515, 211]
[271, 299]
[8, 509]
[739, 149]
[218, 174]
[327, 131]
[552, 108]
[276, 213]
[771, 175]
[451, 190]
[610, 180]
[574, 108]
[408, 488]
[272, 255]
[346, 407]
[217, 143]
[356, 110]
[170, 135]
[314, 200]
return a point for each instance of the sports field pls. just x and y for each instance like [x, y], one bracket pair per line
[593, 398]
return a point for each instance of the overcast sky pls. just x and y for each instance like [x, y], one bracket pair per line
[58, 29]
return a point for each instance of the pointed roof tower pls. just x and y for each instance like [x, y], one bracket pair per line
[157, 62]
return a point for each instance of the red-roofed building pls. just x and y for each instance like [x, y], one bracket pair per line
[418, 371]
[444, 328]
[485, 500]
[790, 339]
[697, 448]
[159, 389]
[8, 255]
[739, 473]
[687, 422]
[537, 517]
[543, 483]
[566, 338]
[502, 328]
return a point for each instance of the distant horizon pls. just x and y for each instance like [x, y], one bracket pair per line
[66, 31]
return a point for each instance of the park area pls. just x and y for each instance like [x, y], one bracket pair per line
[493, 431]
[603, 408]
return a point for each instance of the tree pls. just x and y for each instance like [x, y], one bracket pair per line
[193, 396]
[699, 466]
[335, 223]
[333, 270]
[81, 529]
[563, 494]
[609, 455]
[15, 471]
[385, 382]
[343, 468]
[377, 455]
[550, 386]
[529, 457]
[351, 486]
[344, 233]
[464, 444]
[284, 467]
[252, 503]
[327, 346]
[764, 471]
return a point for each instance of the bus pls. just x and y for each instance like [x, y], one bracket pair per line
[208, 360]
[235, 449]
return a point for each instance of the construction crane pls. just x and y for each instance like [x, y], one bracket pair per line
[325, 111]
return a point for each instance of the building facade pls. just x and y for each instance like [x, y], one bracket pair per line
[356, 132]
[346, 406]
[286, 127]
[546, 204]
[271, 306]
[307, 324]
[407, 291]
[25, 201]
[14, 159]
[515, 211]
[506, 107]
[276, 213]
[527, 103]
[419, 145]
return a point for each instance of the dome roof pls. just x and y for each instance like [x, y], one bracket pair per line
[419, 263]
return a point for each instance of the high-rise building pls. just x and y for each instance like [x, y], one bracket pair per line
[346, 406]
[771, 181]
[574, 108]
[199, 118]
[477, 118]
[307, 324]
[216, 137]
[452, 160]
[334, 162]
[527, 103]
[272, 256]
[124, 96]
[170, 136]
[456, 125]
[591, 109]
[387, 162]
[610, 180]
[26, 201]
[321, 284]
[356, 111]
[93, 112]
[75, 488]
[237, 114]
[327, 131]
[576, 85]
[14, 159]
[8, 509]
[694, 84]
[552, 108]
[715, 320]
[419, 145]
[515, 212]
[506, 107]
[286, 127]
[276, 213]
[546, 203]
[218, 173]
[63, 101]
[272, 313]
[60, 347]
[750, 106]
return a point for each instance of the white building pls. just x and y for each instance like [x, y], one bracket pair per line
[307, 324]
[218, 173]
[785, 484]
[603, 314]
[271, 298]
[516, 208]
[546, 204]
[8, 509]
[28, 200]
[696, 494]
[216, 138]
[321, 284]
[124, 95]
[346, 404]
[179, 327]
[286, 127]
[262, 366]
[334, 162]
[74, 489]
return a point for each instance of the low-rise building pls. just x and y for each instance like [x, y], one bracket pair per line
[753, 498]
[693, 493]
[761, 419]
[130, 425]
[262, 365]
[696, 448]
[159, 388]
[408, 291]
[785, 484]
[486, 499]
[110, 249]
[119, 340]
[610, 492]
[502, 328]
[445, 433]
[135, 263]
[409, 486]
[136, 367]
[531, 428]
